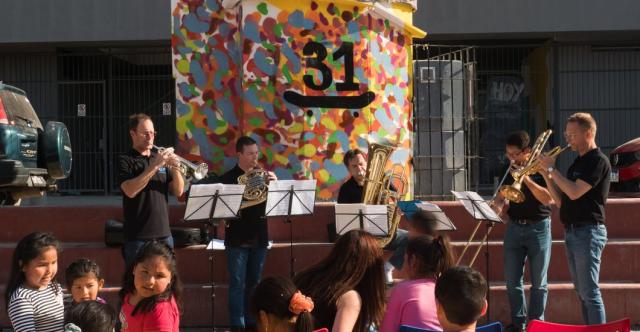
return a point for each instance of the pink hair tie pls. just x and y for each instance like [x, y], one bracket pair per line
[300, 303]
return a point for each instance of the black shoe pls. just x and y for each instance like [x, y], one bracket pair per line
[251, 328]
[236, 329]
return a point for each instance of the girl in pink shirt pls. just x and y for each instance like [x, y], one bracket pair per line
[151, 294]
[412, 302]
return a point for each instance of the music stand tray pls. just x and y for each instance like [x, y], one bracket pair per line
[443, 223]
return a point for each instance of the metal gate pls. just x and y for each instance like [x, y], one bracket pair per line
[82, 106]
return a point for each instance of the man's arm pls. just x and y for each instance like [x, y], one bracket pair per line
[134, 186]
[573, 190]
[539, 192]
[176, 186]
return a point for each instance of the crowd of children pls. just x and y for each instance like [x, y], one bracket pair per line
[345, 291]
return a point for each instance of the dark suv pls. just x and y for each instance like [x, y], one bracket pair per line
[32, 158]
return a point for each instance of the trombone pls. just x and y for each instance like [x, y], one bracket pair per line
[187, 168]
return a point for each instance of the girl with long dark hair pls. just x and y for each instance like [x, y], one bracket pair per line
[348, 285]
[279, 306]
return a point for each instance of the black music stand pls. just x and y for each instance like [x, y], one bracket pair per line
[480, 210]
[443, 223]
[370, 218]
[291, 198]
[210, 203]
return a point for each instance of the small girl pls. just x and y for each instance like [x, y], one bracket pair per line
[34, 299]
[151, 291]
[84, 281]
[280, 307]
[412, 302]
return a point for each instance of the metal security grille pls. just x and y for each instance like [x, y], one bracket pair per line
[93, 91]
[444, 120]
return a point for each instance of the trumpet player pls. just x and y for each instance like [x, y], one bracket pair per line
[528, 236]
[146, 178]
[581, 196]
[245, 241]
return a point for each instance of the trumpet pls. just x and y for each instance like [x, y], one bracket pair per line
[187, 168]
[513, 192]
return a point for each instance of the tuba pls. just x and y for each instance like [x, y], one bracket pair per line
[513, 192]
[377, 188]
[256, 187]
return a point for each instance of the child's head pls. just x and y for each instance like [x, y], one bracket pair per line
[428, 257]
[423, 223]
[84, 280]
[34, 263]
[277, 302]
[153, 276]
[461, 294]
[90, 316]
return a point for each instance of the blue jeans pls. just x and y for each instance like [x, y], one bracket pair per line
[584, 247]
[244, 266]
[130, 248]
[522, 241]
[399, 246]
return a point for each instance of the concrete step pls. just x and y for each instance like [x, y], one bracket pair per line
[86, 224]
[194, 261]
[563, 305]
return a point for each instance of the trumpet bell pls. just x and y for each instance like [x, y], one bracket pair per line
[512, 193]
[201, 171]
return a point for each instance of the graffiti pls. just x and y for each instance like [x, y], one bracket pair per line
[308, 80]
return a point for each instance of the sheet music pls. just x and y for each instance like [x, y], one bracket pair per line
[476, 205]
[201, 200]
[303, 201]
[374, 222]
[231, 194]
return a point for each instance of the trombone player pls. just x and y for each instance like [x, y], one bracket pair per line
[146, 178]
[581, 196]
[528, 233]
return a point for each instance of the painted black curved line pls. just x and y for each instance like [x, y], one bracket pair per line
[352, 102]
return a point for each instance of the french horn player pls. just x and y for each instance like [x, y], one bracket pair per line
[246, 238]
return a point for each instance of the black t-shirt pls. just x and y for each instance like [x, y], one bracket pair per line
[350, 192]
[250, 230]
[146, 215]
[593, 168]
[531, 208]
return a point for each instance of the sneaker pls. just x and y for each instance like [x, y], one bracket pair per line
[388, 273]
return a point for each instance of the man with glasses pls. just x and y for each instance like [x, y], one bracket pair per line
[581, 196]
[146, 178]
[528, 235]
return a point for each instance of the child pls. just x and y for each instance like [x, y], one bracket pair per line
[84, 281]
[151, 291]
[281, 307]
[90, 316]
[412, 302]
[461, 296]
[34, 299]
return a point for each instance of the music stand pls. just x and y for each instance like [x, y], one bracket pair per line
[291, 198]
[480, 210]
[370, 218]
[209, 203]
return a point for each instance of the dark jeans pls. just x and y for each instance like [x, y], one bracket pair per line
[399, 246]
[130, 248]
[522, 242]
[244, 266]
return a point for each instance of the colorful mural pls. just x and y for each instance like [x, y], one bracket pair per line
[307, 79]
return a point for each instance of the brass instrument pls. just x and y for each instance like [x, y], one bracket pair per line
[513, 192]
[187, 168]
[377, 186]
[256, 187]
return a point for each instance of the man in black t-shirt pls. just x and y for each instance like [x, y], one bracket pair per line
[528, 235]
[351, 192]
[245, 240]
[581, 196]
[146, 177]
